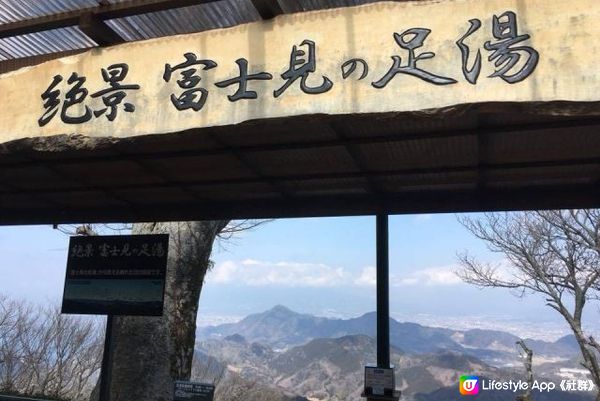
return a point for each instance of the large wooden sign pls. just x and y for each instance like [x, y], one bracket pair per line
[383, 57]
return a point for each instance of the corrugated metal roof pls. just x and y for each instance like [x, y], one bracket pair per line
[19, 10]
[196, 18]
[220, 14]
[52, 41]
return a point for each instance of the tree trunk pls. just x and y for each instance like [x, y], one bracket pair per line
[528, 364]
[590, 360]
[149, 353]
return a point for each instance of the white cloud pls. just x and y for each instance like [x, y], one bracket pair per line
[367, 277]
[291, 274]
[250, 262]
[224, 272]
[429, 277]
[294, 274]
[433, 276]
[402, 281]
[419, 218]
[440, 276]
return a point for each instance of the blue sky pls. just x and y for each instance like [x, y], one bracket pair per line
[322, 266]
[327, 265]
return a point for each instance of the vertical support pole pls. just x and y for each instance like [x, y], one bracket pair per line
[106, 370]
[383, 292]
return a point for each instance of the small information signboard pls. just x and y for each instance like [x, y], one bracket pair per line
[379, 381]
[190, 391]
[116, 275]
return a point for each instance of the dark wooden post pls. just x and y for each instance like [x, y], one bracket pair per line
[383, 292]
[106, 370]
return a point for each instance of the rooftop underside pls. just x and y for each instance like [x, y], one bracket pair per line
[491, 157]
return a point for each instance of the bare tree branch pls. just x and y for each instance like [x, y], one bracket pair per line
[44, 353]
[555, 253]
[237, 226]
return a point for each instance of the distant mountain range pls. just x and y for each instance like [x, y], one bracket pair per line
[333, 368]
[281, 328]
[323, 359]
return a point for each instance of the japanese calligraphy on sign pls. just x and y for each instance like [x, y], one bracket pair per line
[504, 53]
[116, 275]
[390, 57]
[111, 97]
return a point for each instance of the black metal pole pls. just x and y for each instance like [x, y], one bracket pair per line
[106, 370]
[383, 292]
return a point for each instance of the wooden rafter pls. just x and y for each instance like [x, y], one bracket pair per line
[267, 8]
[100, 13]
[98, 30]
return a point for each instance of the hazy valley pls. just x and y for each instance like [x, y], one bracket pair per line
[321, 358]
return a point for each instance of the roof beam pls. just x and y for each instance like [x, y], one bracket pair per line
[155, 171]
[593, 123]
[356, 156]
[101, 12]
[434, 201]
[253, 167]
[282, 179]
[267, 8]
[98, 30]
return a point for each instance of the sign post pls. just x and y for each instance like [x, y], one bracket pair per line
[115, 275]
[106, 368]
[379, 380]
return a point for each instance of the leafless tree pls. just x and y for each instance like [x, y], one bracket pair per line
[235, 388]
[45, 353]
[208, 370]
[10, 345]
[552, 253]
[76, 346]
[230, 385]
